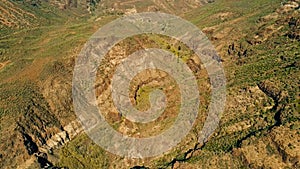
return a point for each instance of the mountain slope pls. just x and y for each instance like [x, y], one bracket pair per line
[258, 42]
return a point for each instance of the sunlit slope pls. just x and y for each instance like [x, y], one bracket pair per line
[258, 42]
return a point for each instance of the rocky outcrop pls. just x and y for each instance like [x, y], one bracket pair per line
[237, 50]
[272, 91]
[69, 132]
[29, 144]
[57, 140]
[294, 24]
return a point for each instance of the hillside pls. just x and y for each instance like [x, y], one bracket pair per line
[258, 42]
[178, 7]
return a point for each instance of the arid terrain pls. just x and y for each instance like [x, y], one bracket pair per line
[259, 47]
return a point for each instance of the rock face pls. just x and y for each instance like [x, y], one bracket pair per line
[29, 144]
[42, 122]
[69, 132]
[59, 139]
[271, 90]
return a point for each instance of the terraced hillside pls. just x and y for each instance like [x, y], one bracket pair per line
[258, 42]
